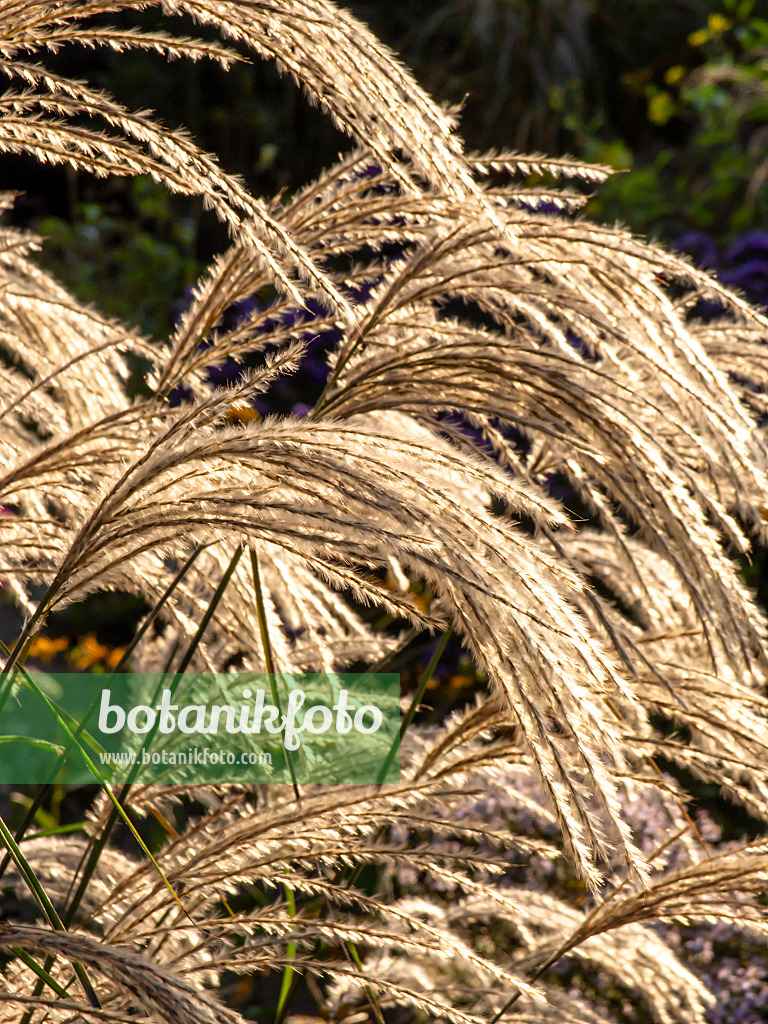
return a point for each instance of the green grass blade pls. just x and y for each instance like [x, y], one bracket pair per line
[97, 848]
[149, 619]
[418, 696]
[31, 741]
[40, 971]
[106, 785]
[287, 983]
[368, 990]
[27, 873]
[41, 896]
[194, 643]
[269, 659]
[155, 611]
[59, 830]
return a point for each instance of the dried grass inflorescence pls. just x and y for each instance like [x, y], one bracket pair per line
[487, 345]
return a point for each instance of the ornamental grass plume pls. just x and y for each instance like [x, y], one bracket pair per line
[486, 349]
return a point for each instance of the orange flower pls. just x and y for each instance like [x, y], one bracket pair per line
[45, 648]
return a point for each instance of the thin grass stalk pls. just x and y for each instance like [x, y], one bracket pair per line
[155, 611]
[370, 994]
[413, 707]
[41, 972]
[32, 810]
[40, 895]
[287, 983]
[209, 612]
[78, 1010]
[93, 855]
[269, 660]
[59, 830]
[45, 789]
[103, 782]
[418, 696]
[98, 846]
[28, 633]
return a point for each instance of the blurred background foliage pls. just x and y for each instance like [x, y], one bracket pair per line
[672, 92]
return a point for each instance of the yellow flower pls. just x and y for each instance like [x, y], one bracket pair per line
[718, 23]
[674, 74]
[660, 108]
[699, 37]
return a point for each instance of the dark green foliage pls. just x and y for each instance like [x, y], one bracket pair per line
[649, 87]
[704, 167]
[129, 254]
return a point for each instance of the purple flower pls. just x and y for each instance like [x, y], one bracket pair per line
[701, 246]
[753, 244]
[752, 278]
